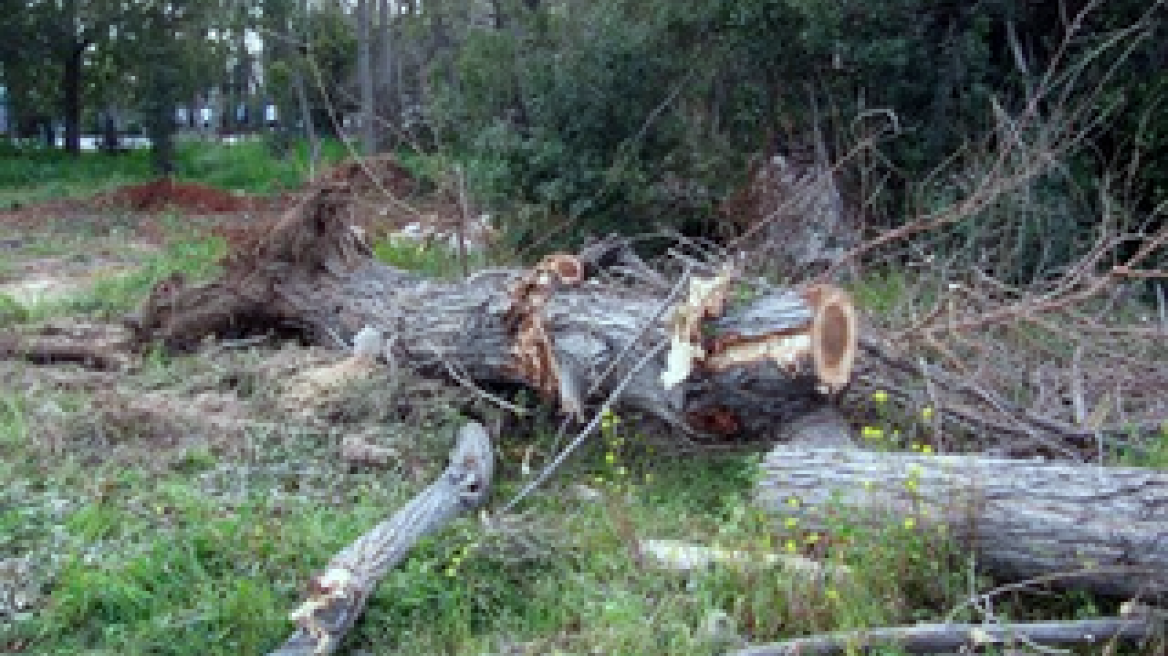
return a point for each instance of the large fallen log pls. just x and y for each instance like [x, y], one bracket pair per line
[338, 594]
[1103, 529]
[703, 356]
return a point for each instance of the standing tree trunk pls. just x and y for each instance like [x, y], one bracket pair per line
[386, 87]
[302, 92]
[72, 96]
[365, 75]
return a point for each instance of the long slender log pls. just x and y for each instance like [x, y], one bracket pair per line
[935, 638]
[733, 367]
[1023, 519]
[338, 595]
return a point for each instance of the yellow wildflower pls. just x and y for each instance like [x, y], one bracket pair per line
[792, 547]
[791, 522]
[927, 449]
[880, 396]
[812, 538]
[910, 523]
[927, 413]
[872, 433]
[832, 594]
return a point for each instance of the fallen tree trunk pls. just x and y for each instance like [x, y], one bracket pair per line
[338, 595]
[1103, 529]
[938, 638]
[732, 366]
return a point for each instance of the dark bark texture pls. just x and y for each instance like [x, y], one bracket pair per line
[1103, 529]
[569, 336]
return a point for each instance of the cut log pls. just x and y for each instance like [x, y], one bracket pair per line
[338, 595]
[1102, 529]
[734, 366]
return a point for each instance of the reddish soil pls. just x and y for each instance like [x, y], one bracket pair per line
[166, 194]
[387, 175]
[237, 213]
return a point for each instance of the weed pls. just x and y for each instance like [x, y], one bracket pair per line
[431, 260]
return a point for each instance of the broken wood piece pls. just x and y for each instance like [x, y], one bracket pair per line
[100, 356]
[936, 638]
[751, 361]
[680, 556]
[1022, 519]
[339, 593]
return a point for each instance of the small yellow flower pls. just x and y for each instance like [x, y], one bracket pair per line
[872, 433]
[927, 449]
[927, 413]
[916, 446]
[791, 546]
[880, 396]
[451, 571]
[648, 477]
[793, 502]
[911, 485]
[812, 538]
[791, 522]
[910, 523]
[832, 594]
[610, 457]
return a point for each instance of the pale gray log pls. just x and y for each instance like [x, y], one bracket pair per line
[933, 638]
[462, 487]
[1022, 518]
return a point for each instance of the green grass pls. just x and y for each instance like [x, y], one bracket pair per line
[33, 175]
[250, 166]
[430, 260]
[195, 257]
[154, 562]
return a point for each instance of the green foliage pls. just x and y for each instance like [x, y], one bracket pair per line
[250, 166]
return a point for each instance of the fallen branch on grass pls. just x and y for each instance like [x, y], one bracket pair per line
[934, 638]
[338, 595]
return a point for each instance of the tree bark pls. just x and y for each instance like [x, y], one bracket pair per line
[1023, 519]
[732, 367]
[365, 11]
[338, 595]
[72, 96]
[940, 638]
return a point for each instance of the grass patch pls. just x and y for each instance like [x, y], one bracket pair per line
[34, 175]
[251, 166]
[29, 176]
[430, 260]
[195, 257]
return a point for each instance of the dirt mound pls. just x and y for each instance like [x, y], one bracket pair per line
[376, 174]
[166, 194]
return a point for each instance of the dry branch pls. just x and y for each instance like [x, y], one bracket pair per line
[338, 595]
[1021, 518]
[937, 638]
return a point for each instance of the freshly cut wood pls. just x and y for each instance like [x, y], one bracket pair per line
[1103, 529]
[937, 638]
[733, 366]
[338, 594]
